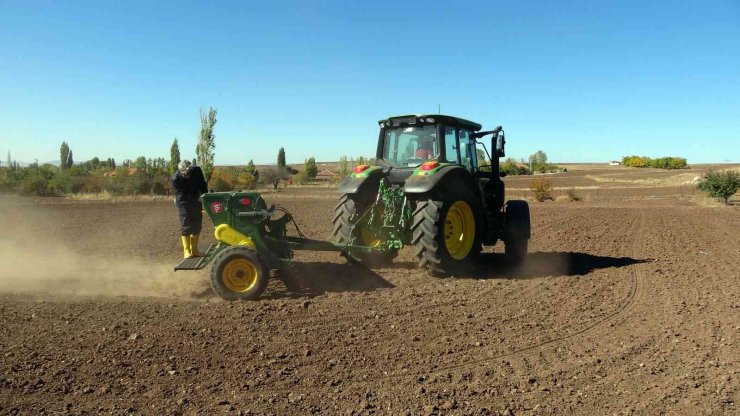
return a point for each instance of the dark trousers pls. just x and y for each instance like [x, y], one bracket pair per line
[191, 218]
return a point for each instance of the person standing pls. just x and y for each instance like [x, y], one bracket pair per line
[189, 185]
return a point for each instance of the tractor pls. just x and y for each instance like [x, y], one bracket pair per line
[435, 187]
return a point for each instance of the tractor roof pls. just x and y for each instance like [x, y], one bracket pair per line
[450, 120]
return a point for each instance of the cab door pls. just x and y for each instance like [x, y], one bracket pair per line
[468, 158]
[452, 154]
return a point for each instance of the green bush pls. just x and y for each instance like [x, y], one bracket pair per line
[222, 180]
[301, 178]
[83, 177]
[538, 163]
[36, 181]
[93, 184]
[228, 179]
[310, 169]
[545, 168]
[137, 184]
[721, 184]
[636, 161]
[64, 182]
[8, 180]
[511, 168]
[116, 185]
[245, 180]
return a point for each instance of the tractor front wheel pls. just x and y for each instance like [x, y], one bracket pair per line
[238, 273]
[446, 233]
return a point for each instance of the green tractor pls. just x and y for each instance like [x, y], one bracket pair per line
[435, 187]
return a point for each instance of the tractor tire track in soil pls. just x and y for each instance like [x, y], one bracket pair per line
[612, 318]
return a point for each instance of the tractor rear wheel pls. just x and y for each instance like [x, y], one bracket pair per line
[518, 231]
[238, 273]
[351, 205]
[446, 232]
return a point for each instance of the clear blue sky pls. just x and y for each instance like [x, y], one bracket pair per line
[582, 80]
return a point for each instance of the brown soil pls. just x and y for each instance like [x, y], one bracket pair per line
[622, 307]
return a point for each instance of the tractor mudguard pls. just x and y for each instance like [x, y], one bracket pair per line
[356, 183]
[421, 182]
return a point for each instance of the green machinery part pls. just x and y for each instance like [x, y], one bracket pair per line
[388, 218]
[243, 219]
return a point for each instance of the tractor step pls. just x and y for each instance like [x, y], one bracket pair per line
[195, 263]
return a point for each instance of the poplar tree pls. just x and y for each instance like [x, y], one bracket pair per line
[343, 166]
[63, 155]
[207, 142]
[281, 158]
[252, 170]
[174, 156]
[310, 169]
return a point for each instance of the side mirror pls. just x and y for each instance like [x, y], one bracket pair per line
[500, 142]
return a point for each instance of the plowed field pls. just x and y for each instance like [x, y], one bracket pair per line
[622, 307]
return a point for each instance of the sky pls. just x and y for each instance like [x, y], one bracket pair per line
[585, 81]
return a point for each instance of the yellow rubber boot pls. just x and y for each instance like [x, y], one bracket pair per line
[194, 246]
[187, 253]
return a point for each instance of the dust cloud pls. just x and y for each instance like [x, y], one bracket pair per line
[31, 261]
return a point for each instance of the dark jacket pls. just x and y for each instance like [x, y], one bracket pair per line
[189, 189]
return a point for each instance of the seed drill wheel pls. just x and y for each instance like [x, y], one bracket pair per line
[238, 273]
[348, 206]
[518, 231]
[446, 234]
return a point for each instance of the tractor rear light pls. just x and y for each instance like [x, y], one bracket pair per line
[245, 201]
[429, 165]
[360, 168]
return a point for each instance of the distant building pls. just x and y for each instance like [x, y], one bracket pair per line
[325, 176]
[131, 172]
[615, 163]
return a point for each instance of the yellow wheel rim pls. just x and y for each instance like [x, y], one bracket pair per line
[240, 275]
[459, 230]
[369, 238]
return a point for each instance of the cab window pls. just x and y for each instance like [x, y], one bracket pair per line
[484, 163]
[451, 145]
[410, 146]
[467, 150]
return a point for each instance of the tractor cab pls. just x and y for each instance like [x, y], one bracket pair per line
[408, 142]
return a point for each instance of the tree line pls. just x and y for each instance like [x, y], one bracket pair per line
[131, 177]
[536, 163]
[670, 162]
[152, 175]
